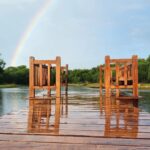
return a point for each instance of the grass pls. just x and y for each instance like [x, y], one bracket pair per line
[90, 85]
[96, 85]
[8, 85]
[144, 85]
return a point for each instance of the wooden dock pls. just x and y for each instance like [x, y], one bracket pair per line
[86, 122]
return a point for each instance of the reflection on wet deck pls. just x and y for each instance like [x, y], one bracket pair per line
[88, 116]
[121, 118]
[79, 116]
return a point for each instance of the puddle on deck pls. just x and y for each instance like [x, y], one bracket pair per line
[89, 115]
[82, 113]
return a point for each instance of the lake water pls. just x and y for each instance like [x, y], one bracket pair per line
[14, 99]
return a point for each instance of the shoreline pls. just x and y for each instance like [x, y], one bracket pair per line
[89, 85]
[96, 85]
[10, 86]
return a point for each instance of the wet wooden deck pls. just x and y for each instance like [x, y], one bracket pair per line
[86, 122]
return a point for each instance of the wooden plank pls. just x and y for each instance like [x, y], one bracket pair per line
[66, 80]
[125, 74]
[107, 75]
[31, 77]
[120, 60]
[38, 75]
[135, 75]
[117, 80]
[49, 80]
[122, 86]
[89, 128]
[45, 87]
[67, 146]
[45, 62]
[41, 75]
[76, 140]
[58, 90]
[100, 79]
[58, 80]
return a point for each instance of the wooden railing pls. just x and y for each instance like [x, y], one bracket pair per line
[40, 76]
[119, 74]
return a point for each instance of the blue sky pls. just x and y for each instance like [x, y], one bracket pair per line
[82, 32]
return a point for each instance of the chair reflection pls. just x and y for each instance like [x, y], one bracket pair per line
[121, 118]
[64, 105]
[44, 117]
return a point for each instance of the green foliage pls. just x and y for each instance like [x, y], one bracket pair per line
[84, 75]
[144, 70]
[20, 74]
[148, 78]
[92, 75]
[2, 65]
[17, 75]
[53, 79]
[148, 59]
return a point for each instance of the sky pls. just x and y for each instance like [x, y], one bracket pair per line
[82, 32]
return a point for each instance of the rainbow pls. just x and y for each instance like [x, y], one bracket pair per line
[25, 36]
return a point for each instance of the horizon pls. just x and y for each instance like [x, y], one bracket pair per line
[76, 68]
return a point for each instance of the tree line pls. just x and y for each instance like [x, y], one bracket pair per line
[20, 75]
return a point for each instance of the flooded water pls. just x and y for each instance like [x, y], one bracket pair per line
[14, 99]
[82, 113]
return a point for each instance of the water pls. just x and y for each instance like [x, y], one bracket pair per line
[82, 113]
[14, 99]
[144, 103]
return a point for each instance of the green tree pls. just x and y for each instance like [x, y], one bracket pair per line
[2, 66]
[148, 73]
[17, 75]
[148, 59]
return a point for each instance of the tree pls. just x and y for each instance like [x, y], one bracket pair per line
[17, 75]
[2, 64]
[148, 59]
[148, 77]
